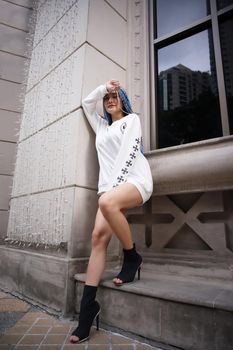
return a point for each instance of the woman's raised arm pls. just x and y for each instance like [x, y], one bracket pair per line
[89, 106]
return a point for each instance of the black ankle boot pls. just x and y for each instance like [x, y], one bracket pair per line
[131, 264]
[89, 310]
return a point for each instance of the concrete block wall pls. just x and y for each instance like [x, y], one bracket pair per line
[14, 53]
[55, 181]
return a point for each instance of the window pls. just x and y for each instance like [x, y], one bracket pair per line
[192, 55]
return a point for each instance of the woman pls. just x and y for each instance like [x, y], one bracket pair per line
[125, 182]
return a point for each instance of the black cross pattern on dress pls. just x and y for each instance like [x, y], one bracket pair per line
[129, 163]
[120, 178]
[124, 171]
[132, 155]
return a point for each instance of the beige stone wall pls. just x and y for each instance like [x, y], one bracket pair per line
[76, 47]
[14, 52]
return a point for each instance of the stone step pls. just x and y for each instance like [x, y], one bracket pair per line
[203, 267]
[186, 312]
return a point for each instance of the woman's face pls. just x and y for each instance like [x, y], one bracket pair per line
[112, 103]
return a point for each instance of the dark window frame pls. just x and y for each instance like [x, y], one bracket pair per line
[209, 21]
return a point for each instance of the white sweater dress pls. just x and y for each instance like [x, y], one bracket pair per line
[118, 149]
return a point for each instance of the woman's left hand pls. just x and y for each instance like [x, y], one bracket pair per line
[113, 85]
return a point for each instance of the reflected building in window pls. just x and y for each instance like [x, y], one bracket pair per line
[179, 85]
[226, 31]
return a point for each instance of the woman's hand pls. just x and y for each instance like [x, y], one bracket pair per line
[112, 85]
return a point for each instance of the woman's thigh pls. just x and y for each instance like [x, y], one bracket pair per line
[125, 196]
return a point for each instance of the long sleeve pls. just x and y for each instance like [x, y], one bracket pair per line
[89, 106]
[128, 152]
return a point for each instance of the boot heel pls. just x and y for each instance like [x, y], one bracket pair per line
[97, 321]
[139, 273]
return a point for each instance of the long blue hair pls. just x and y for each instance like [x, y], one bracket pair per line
[127, 109]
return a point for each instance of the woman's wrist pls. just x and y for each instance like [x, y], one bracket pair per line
[112, 85]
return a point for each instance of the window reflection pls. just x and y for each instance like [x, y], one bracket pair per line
[224, 3]
[173, 14]
[226, 30]
[188, 96]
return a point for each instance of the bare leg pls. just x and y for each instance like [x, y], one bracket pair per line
[101, 237]
[113, 203]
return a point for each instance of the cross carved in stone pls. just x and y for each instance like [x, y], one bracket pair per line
[166, 219]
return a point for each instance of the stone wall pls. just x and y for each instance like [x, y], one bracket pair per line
[15, 21]
[55, 182]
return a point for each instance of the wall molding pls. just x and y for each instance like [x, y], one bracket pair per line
[138, 73]
[195, 167]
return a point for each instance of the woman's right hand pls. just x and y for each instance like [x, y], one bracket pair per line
[112, 85]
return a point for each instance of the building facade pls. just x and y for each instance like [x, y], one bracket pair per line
[185, 106]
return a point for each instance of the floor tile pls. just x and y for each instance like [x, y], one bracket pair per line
[38, 329]
[54, 339]
[59, 329]
[18, 329]
[6, 347]
[31, 339]
[10, 339]
[25, 322]
[30, 316]
[46, 322]
[99, 337]
[7, 305]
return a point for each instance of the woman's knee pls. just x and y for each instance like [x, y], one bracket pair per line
[100, 238]
[107, 204]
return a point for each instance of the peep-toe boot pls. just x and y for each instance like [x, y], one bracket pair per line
[131, 264]
[89, 311]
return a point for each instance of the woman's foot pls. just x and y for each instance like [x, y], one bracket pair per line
[131, 264]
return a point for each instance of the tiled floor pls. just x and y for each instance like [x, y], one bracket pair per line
[37, 330]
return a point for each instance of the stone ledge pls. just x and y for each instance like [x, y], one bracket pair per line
[213, 294]
[184, 169]
[187, 313]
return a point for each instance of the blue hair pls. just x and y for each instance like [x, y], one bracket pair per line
[127, 109]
